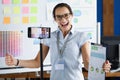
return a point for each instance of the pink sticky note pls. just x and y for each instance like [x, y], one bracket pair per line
[25, 10]
[6, 1]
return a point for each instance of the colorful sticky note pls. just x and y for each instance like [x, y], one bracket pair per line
[6, 1]
[77, 13]
[75, 20]
[25, 20]
[25, 10]
[6, 10]
[6, 20]
[34, 1]
[16, 1]
[16, 20]
[33, 19]
[16, 10]
[25, 1]
[34, 10]
[88, 1]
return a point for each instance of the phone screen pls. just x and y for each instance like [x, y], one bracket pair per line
[39, 32]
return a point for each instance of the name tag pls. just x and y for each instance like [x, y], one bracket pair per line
[59, 64]
[59, 67]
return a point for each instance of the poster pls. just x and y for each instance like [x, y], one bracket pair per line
[97, 58]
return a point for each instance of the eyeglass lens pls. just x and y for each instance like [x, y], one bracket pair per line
[66, 16]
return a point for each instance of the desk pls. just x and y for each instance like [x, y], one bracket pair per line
[115, 74]
[47, 75]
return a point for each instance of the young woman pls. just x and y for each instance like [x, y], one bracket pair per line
[66, 48]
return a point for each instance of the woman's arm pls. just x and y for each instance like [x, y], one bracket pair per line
[34, 63]
[86, 57]
[86, 54]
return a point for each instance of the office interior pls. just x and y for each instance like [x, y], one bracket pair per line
[108, 14]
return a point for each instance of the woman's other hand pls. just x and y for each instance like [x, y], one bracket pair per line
[10, 60]
[107, 66]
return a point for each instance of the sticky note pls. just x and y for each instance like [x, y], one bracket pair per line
[16, 20]
[25, 20]
[34, 10]
[6, 20]
[6, 10]
[34, 1]
[16, 1]
[75, 20]
[6, 1]
[25, 1]
[16, 10]
[33, 19]
[25, 10]
[77, 13]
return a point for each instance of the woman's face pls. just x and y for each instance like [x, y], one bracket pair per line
[63, 18]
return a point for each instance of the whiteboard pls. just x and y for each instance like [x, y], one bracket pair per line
[18, 15]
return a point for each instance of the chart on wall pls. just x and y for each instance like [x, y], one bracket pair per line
[18, 15]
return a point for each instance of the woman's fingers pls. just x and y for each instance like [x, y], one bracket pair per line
[107, 66]
[9, 59]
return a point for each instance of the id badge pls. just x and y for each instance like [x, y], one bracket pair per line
[59, 64]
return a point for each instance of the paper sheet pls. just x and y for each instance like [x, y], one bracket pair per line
[97, 58]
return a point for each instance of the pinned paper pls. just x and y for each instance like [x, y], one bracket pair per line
[33, 19]
[13, 43]
[34, 10]
[25, 1]
[16, 1]
[6, 1]
[16, 20]
[16, 10]
[25, 10]
[25, 20]
[7, 10]
[34, 1]
[6, 20]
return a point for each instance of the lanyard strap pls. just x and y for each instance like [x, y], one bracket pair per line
[60, 51]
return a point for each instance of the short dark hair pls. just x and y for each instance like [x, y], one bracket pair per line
[62, 5]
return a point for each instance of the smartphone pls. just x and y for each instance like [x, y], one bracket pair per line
[39, 32]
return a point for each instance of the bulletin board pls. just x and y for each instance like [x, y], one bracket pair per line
[18, 15]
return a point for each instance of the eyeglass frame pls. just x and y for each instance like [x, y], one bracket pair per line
[65, 16]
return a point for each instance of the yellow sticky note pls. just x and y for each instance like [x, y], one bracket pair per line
[25, 1]
[25, 20]
[7, 10]
[6, 20]
[34, 10]
[33, 19]
[16, 10]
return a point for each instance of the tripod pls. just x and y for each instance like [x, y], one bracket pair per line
[41, 62]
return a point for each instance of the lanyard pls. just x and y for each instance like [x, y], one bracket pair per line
[60, 51]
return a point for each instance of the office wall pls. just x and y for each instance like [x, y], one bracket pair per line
[99, 13]
[18, 15]
[116, 18]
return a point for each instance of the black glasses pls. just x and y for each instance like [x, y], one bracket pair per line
[66, 16]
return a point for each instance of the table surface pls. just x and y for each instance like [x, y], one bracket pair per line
[47, 75]
[34, 73]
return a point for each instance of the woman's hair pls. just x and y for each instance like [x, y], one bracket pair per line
[62, 5]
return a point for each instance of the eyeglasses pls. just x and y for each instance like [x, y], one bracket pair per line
[66, 16]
